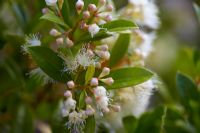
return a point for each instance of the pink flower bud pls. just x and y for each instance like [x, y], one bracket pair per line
[59, 40]
[97, 64]
[106, 110]
[103, 47]
[89, 111]
[108, 18]
[88, 100]
[68, 94]
[79, 5]
[45, 10]
[86, 15]
[92, 8]
[70, 43]
[108, 81]
[102, 2]
[103, 54]
[109, 7]
[116, 108]
[54, 32]
[94, 82]
[90, 53]
[70, 84]
[105, 71]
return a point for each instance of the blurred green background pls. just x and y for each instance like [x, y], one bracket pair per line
[26, 105]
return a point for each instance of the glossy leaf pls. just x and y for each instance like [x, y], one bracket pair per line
[89, 74]
[187, 89]
[53, 18]
[120, 48]
[49, 62]
[119, 25]
[90, 125]
[130, 123]
[82, 100]
[69, 12]
[127, 77]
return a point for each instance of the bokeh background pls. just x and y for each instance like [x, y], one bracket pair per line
[26, 105]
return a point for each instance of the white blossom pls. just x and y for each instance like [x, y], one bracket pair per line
[93, 29]
[144, 12]
[51, 2]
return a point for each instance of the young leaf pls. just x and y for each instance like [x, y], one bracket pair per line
[69, 12]
[90, 125]
[53, 18]
[82, 100]
[49, 62]
[187, 89]
[130, 123]
[119, 49]
[89, 74]
[119, 25]
[126, 77]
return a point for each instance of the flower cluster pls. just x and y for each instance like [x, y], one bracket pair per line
[85, 56]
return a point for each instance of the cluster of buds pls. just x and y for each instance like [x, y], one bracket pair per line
[98, 14]
[61, 38]
[102, 52]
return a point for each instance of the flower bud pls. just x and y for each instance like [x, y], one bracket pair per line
[54, 32]
[45, 10]
[51, 2]
[103, 54]
[92, 8]
[102, 2]
[68, 94]
[70, 43]
[88, 100]
[116, 108]
[108, 18]
[94, 82]
[86, 15]
[105, 71]
[93, 29]
[109, 7]
[97, 64]
[108, 81]
[70, 84]
[79, 5]
[90, 53]
[59, 40]
[65, 112]
[102, 47]
[106, 110]
[89, 111]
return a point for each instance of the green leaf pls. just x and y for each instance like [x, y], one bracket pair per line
[82, 100]
[127, 77]
[119, 25]
[130, 124]
[196, 57]
[197, 10]
[69, 12]
[90, 125]
[187, 89]
[120, 48]
[53, 18]
[89, 74]
[49, 62]
[87, 37]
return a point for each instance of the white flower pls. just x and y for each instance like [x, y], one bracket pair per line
[33, 40]
[70, 104]
[100, 91]
[102, 99]
[76, 121]
[141, 43]
[144, 12]
[93, 29]
[51, 2]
